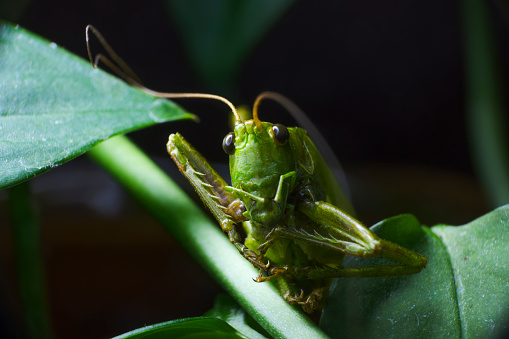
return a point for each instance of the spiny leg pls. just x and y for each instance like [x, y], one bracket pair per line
[250, 255]
[355, 239]
[346, 235]
[226, 208]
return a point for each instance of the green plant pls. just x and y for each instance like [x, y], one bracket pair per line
[44, 123]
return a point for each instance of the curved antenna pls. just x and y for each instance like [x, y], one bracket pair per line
[319, 141]
[191, 95]
[124, 71]
[128, 75]
[257, 102]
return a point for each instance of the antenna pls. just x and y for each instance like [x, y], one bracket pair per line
[120, 67]
[319, 141]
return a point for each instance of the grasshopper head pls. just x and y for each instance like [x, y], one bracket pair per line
[260, 154]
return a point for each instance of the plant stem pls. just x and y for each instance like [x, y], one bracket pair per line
[201, 237]
[485, 102]
[30, 269]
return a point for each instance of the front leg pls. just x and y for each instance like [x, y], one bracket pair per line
[211, 187]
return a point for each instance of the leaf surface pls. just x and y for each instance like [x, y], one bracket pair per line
[225, 308]
[463, 292]
[55, 106]
[200, 327]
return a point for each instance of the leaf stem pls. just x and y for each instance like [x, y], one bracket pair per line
[30, 268]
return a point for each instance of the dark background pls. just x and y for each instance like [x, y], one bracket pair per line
[383, 81]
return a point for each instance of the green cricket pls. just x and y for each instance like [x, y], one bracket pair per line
[297, 221]
[284, 210]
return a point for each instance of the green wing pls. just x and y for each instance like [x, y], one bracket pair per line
[310, 157]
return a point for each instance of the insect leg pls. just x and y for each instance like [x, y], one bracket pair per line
[226, 208]
[347, 235]
[355, 272]
[286, 181]
[289, 292]
[309, 302]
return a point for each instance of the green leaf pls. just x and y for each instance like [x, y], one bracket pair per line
[201, 327]
[218, 35]
[54, 106]
[225, 308]
[464, 291]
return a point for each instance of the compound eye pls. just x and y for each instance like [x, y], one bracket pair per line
[280, 133]
[229, 143]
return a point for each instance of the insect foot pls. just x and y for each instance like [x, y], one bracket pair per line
[309, 304]
[312, 301]
[293, 298]
[255, 259]
[274, 272]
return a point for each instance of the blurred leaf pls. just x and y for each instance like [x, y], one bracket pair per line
[464, 291]
[201, 327]
[486, 101]
[218, 35]
[54, 106]
[225, 308]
